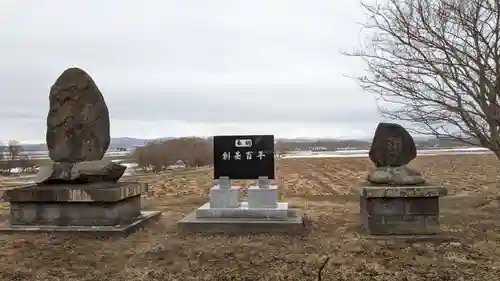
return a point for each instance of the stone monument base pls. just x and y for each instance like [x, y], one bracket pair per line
[104, 207]
[259, 197]
[281, 212]
[400, 210]
[225, 214]
[243, 220]
[225, 197]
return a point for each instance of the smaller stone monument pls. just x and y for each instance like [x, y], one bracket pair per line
[244, 157]
[78, 191]
[396, 199]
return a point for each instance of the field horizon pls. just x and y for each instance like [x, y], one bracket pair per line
[132, 142]
[327, 190]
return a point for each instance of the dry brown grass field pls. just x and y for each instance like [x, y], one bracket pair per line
[326, 190]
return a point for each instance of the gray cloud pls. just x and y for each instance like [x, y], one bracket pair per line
[194, 66]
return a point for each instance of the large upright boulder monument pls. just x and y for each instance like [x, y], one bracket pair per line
[396, 199]
[85, 135]
[77, 132]
[79, 191]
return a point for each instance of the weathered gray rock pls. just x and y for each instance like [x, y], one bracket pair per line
[401, 175]
[82, 172]
[78, 121]
[392, 146]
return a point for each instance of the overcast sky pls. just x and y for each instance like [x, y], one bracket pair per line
[190, 67]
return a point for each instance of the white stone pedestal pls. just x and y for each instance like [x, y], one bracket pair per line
[263, 197]
[262, 213]
[281, 212]
[224, 197]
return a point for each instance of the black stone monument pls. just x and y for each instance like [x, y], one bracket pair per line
[244, 157]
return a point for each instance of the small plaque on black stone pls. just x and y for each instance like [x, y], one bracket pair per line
[244, 156]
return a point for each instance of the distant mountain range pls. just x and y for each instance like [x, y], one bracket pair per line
[124, 142]
[127, 142]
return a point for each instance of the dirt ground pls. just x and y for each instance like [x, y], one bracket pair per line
[326, 190]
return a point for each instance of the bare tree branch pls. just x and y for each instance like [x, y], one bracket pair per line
[436, 64]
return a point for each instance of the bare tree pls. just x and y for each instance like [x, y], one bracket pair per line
[4, 164]
[13, 151]
[436, 64]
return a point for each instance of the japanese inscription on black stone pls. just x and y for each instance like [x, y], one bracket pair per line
[244, 156]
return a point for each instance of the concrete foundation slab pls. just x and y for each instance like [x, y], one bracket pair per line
[75, 213]
[281, 212]
[103, 207]
[291, 226]
[94, 192]
[137, 223]
[104, 203]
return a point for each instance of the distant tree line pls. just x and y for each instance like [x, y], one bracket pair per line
[158, 155]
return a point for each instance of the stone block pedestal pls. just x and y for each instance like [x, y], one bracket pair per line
[262, 197]
[400, 210]
[97, 207]
[225, 197]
